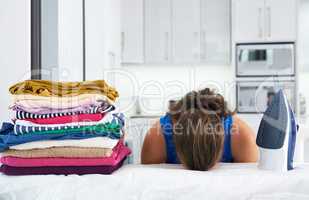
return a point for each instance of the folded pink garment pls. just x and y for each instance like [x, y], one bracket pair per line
[119, 153]
[68, 119]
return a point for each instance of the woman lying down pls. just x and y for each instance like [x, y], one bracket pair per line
[199, 131]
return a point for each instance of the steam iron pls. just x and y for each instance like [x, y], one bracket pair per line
[277, 135]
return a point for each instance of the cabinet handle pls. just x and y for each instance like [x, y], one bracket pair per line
[260, 23]
[203, 55]
[112, 58]
[195, 54]
[166, 46]
[122, 44]
[269, 21]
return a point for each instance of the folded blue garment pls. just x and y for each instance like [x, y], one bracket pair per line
[9, 138]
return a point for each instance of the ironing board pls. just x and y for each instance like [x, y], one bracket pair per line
[168, 182]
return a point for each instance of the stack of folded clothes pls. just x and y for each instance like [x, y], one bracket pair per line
[63, 128]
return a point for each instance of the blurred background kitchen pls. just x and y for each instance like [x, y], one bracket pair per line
[155, 51]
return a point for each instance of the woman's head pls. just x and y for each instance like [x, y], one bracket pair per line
[198, 128]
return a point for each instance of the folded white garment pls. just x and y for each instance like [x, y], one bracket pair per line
[97, 142]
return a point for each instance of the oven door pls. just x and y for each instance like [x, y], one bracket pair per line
[265, 60]
[254, 97]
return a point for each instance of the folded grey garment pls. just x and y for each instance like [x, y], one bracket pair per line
[62, 152]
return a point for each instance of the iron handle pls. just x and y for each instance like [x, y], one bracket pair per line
[260, 23]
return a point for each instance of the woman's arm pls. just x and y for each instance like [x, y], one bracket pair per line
[244, 148]
[153, 151]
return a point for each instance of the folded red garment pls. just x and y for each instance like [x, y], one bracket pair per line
[69, 119]
[119, 153]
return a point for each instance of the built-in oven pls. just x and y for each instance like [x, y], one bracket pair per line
[256, 60]
[255, 96]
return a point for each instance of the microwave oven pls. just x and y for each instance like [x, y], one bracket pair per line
[256, 96]
[254, 60]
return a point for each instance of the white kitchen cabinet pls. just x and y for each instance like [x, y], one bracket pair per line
[248, 18]
[158, 34]
[264, 20]
[215, 31]
[175, 31]
[132, 31]
[186, 31]
[281, 20]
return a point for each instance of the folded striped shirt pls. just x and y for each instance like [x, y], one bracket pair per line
[111, 122]
[109, 129]
[95, 109]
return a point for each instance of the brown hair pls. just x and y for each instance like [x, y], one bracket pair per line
[198, 128]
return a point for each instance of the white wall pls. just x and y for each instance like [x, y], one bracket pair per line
[49, 36]
[304, 66]
[62, 40]
[303, 35]
[304, 48]
[70, 42]
[96, 50]
[304, 82]
[14, 48]
[102, 41]
[303, 88]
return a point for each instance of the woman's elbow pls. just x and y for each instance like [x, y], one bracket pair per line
[153, 150]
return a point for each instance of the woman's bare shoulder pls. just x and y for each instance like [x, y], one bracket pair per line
[153, 150]
[244, 148]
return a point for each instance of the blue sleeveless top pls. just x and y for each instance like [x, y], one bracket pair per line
[167, 130]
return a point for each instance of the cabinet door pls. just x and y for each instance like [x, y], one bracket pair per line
[248, 20]
[186, 31]
[158, 31]
[132, 34]
[215, 34]
[281, 20]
